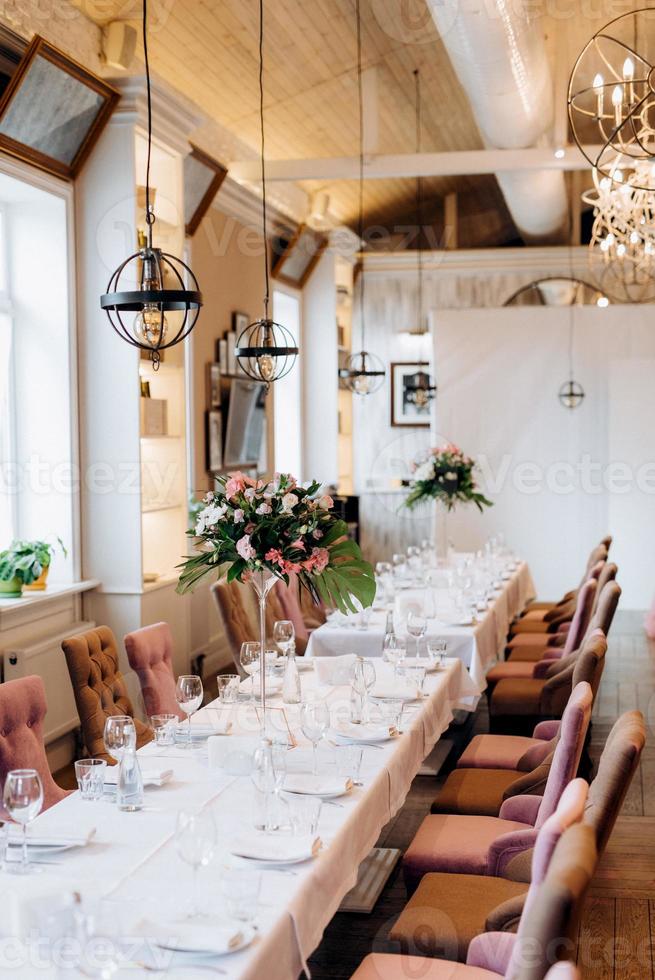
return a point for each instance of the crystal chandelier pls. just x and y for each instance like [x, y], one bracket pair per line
[611, 98]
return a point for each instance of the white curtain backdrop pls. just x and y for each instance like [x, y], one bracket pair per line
[559, 479]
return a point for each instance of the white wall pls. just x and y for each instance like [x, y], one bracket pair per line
[560, 479]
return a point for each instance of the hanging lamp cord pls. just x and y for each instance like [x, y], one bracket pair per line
[360, 224]
[150, 218]
[419, 200]
[263, 153]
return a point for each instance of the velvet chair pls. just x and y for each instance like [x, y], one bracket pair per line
[519, 703]
[561, 622]
[99, 688]
[287, 596]
[22, 710]
[466, 844]
[599, 553]
[547, 930]
[448, 910]
[519, 752]
[150, 655]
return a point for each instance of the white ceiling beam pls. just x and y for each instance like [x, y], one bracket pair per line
[371, 113]
[457, 163]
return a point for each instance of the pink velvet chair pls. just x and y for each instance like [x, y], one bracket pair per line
[483, 845]
[519, 752]
[288, 598]
[22, 710]
[150, 654]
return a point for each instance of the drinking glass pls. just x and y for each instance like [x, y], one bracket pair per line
[249, 660]
[349, 762]
[437, 651]
[195, 843]
[119, 731]
[240, 888]
[188, 694]
[417, 625]
[228, 687]
[314, 722]
[416, 677]
[90, 775]
[164, 727]
[284, 635]
[23, 799]
[304, 814]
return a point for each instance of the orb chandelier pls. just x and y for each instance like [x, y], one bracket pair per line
[151, 283]
[611, 98]
[266, 351]
[364, 372]
[571, 394]
[622, 244]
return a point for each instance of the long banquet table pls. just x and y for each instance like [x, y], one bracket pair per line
[478, 646]
[132, 863]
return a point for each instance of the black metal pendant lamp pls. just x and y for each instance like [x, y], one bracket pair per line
[571, 394]
[265, 350]
[157, 281]
[364, 372]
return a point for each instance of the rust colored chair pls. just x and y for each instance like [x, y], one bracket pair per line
[22, 710]
[599, 553]
[464, 844]
[99, 688]
[150, 654]
[447, 910]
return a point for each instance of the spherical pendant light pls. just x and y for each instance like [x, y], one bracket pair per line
[571, 394]
[364, 373]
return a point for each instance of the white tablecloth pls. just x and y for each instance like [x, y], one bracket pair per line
[477, 646]
[132, 858]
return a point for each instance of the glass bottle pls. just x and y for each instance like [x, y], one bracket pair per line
[291, 690]
[129, 790]
[264, 779]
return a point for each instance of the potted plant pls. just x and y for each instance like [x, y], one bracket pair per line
[43, 552]
[18, 567]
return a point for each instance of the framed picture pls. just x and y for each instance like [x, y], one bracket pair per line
[214, 441]
[412, 389]
[53, 110]
[239, 322]
[299, 256]
[202, 178]
[214, 385]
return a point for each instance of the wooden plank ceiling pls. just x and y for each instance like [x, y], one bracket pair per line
[207, 49]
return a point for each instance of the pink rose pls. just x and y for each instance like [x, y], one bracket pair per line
[274, 555]
[317, 534]
[299, 544]
[321, 557]
[245, 549]
[326, 502]
[238, 516]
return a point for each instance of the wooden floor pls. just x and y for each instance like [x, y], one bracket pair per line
[617, 933]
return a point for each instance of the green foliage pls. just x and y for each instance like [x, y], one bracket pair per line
[26, 560]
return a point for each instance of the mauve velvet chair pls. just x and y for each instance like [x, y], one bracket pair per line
[547, 930]
[518, 703]
[599, 553]
[466, 844]
[448, 910]
[519, 752]
[22, 710]
[150, 655]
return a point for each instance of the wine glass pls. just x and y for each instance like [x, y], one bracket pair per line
[284, 635]
[417, 625]
[23, 799]
[188, 694]
[393, 650]
[249, 660]
[195, 843]
[119, 732]
[314, 722]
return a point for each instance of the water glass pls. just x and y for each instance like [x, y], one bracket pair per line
[189, 694]
[304, 814]
[314, 722]
[416, 676]
[90, 775]
[349, 762]
[417, 625]
[164, 727]
[249, 660]
[284, 635]
[228, 688]
[119, 732]
[23, 799]
[437, 651]
[240, 888]
[195, 843]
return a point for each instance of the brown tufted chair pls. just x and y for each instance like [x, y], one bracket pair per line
[150, 653]
[99, 688]
[22, 710]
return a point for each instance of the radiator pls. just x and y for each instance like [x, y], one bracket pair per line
[46, 659]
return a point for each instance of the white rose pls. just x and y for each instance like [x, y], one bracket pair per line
[289, 501]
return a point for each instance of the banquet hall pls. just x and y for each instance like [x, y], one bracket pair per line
[327, 472]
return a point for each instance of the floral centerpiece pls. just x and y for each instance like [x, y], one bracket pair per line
[446, 474]
[254, 530]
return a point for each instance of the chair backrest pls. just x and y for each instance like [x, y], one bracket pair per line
[22, 710]
[288, 598]
[617, 765]
[584, 606]
[150, 654]
[562, 676]
[236, 623]
[548, 927]
[99, 687]
[566, 758]
[563, 971]
[608, 600]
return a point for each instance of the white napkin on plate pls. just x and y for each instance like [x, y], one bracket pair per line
[281, 850]
[193, 937]
[389, 690]
[334, 671]
[52, 840]
[151, 776]
[363, 733]
[310, 785]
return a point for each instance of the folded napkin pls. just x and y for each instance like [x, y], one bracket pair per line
[334, 671]
[364, 733]
[277, 850]
[51, 840]
[151, 776]
[390, 690]
[186, 936]
[233, 754]
[309, 785]
[212, 722]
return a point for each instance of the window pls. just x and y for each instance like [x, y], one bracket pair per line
[7, 515]
[288, 391]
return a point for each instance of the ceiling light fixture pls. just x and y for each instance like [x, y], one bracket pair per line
[265, 350]
[164, 315]
[364, 372]
[571, 394]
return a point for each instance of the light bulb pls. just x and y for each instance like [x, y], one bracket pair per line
[620, 250]
[605, 184]
[617, 95]
[604, 245]
[266, 367]
[602, 301]
[634, 237]
[150, 326]
[362, 385]
[598, 83]
[628, 69]
[610, 238]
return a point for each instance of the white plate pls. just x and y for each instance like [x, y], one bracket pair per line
[361, 733]
[274, 862]
[327, 793]
[247, 936]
